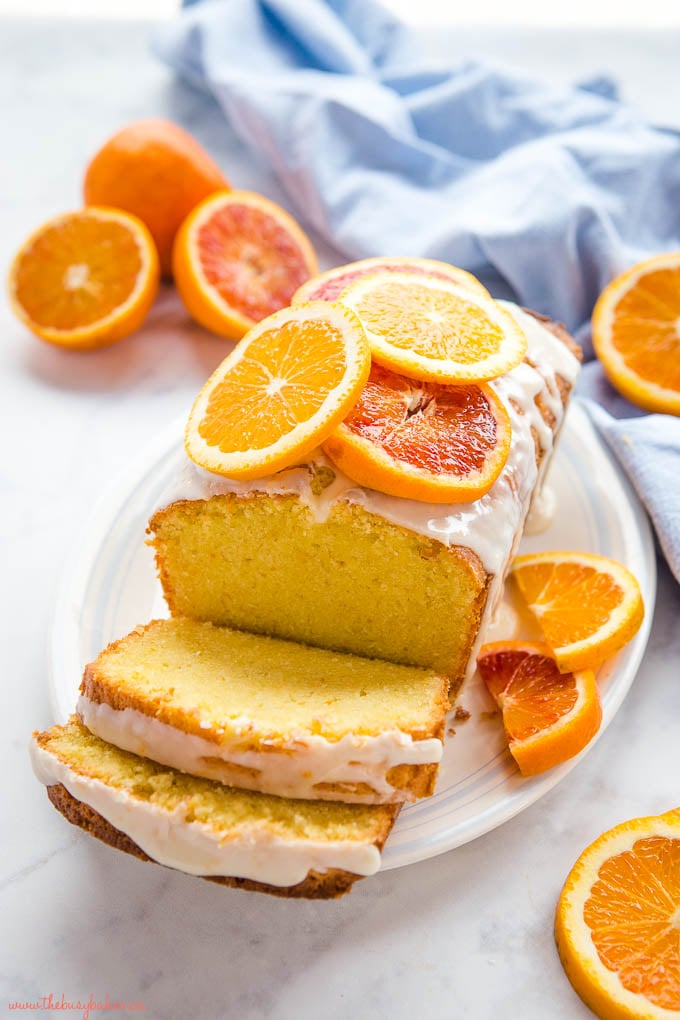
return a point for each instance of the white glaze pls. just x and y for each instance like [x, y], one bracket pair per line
[199, 849]
[293, 770]
[542, 510]
[491, 526]
[485, 526]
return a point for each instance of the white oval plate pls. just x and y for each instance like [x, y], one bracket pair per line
[111, 586]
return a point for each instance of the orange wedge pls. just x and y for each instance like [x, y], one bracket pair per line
[85, 279]
[636, 333]
[425, 441]
[237, 258]
[617, 923]
[280, 393]
[548, 716]
[587, 606]
[433, 329]
[329, 285]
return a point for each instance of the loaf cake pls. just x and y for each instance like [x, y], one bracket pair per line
[312, 849]
[308, 555]
[269, 715]
[267, 735]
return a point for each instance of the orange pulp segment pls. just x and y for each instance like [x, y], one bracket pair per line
[435, 330]
[280, 393]
[548, 716]
[424, 441]
[85, 279]
[237, 258]
[587, 606]
[617, 923]
[636, 333]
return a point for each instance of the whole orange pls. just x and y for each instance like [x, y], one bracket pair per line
[157, 171]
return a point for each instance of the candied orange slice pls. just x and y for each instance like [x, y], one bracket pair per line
[636, 333]
[587, 606]
[617, 923]
[281, 392]
[435, 330]
[425, 441]
[329, 285]
[548, 716]
[237, 258]
[85, 279]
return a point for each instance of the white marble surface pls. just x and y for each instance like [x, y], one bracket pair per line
[466, 935]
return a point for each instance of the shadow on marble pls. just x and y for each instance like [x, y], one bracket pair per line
[168, 347]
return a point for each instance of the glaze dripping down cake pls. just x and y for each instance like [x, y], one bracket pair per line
[269, 715]
[313, 849]
[308, 555]
[267, 735]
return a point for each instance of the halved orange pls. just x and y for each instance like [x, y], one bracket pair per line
[329, 285]
[280, 392]
[548, 716]
[433, 329]
[237, 258]
[425, 441]
[617, 924]
[636, 333]
[587, 606]
[85, 279]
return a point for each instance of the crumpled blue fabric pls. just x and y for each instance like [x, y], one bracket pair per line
[544, 192]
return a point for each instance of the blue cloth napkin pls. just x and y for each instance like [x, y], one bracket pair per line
[543, 192]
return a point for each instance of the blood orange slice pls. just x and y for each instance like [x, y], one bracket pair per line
[548, 716]
[425, 441]
[238, 258]
[328, 286]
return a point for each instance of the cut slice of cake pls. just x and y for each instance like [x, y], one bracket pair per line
[268, 715]
[308, 555]
[314, 849]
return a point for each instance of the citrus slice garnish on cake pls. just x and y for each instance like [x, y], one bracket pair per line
[237, 258]
[281, 392]
[636, 333]
[587, 606]
[548, 716]
[424, 441]
[85, 279]
[435, 330]
[617, 924]
[329, 285]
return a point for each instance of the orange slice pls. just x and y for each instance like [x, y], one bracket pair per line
[237, 258]
[328, 286]
[548, 716]
[433, 329]
[587, 606]
[617, 923]
[85, 279]
[425, 441]
[636, 333]
[280, 393]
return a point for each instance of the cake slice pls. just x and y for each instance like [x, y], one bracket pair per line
[308, 555]
[314, 849]
[268, 715]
